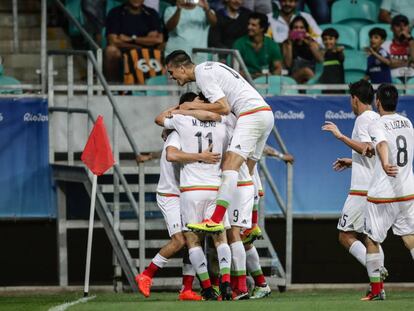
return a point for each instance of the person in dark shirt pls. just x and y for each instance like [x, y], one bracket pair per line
[300, 51]
[333, 62]
[131, 25]
[378, 61]
[231, 24]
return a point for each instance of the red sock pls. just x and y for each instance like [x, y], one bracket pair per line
[376, 287]
[225, 278]
[241, 283]
[218, 213]
[254, 217]
[151, 270]
[215, 280]
[206, 283]
[233, 282]
[259, 280]
[188, 282]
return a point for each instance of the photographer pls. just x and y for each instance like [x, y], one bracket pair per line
[401, 49]
[300, 51]
[188, 23]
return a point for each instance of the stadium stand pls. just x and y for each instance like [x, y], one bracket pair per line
[354, 13]
[348, 37]
[275, 85]
[5, 80]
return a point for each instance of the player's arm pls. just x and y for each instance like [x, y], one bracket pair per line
[201, 115]
[382, 152]
[220, 106]
[341, 164]
[355, 145]
[160, 119]
[207, 156]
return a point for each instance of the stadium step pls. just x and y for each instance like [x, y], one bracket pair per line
[24, 20]
[28, 61]
[31, 46]
[22, 6]
[30, 33]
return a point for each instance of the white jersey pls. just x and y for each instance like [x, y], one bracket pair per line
[397, 131]
[196, 136]
[169, 182]
[217, 80]
[362, 167]
[245, 179]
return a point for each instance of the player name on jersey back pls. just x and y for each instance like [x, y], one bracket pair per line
[217, 80]
[397, 131]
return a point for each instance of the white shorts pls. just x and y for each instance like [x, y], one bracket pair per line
[353, 212]
[250, 134]
[170, 208]
[240, 210]
[198, 205]
[379, 218]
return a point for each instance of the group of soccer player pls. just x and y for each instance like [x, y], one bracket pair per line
[382, 184]
[209, 181]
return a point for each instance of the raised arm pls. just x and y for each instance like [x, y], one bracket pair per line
[159, 120]
[176, 155]
[221, 106]
[201, 115]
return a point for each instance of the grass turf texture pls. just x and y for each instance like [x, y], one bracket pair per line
[315, 300]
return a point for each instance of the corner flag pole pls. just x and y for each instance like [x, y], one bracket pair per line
[90, 236]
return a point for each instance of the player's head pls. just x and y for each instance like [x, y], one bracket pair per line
[387, 97]
[180, 67]
[165, 133]
[187, 97]
[361, 92]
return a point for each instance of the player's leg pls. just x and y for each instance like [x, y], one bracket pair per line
[170, 207]
[187, 292]
[224, 260]
[261, 289]
[404, 225]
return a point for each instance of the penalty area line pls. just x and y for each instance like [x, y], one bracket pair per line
[66, 305]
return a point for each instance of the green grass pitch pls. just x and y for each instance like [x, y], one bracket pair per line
[308, 300]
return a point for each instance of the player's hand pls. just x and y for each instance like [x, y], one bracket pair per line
[341, 164]
[207, 156]
[368, 150]
[390, 170]
[331, 127]
[288, 158]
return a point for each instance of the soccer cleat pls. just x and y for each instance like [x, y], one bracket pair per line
[383, 273]
[209, 294]
[189, 295]
[261, 292]
[248, 236]
[238, 295]
[370, 296]
[144, 284]
[226, 292]
[207, 225]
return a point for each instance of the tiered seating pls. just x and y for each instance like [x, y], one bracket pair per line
[275, 85]
[354, 13]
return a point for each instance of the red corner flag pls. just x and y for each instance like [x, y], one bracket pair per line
[97, 154]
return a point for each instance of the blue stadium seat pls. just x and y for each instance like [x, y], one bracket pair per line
[347, 35]
[352, 76]
[355, 60]
[275, 85]
[364, 37]
[74, 8]
[410, 82]
[158, 80]
[5, 80]
[354, 13]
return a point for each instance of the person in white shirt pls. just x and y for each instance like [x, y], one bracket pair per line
[391, 191]
[351, 222]
[227, 92]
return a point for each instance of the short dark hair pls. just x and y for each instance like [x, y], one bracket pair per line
[387, 95]
[398, 19]
[178, 58]
[330, 32]
[379, 32]
[299, 18]
[363, 90]
[263, 20]
[187, 97]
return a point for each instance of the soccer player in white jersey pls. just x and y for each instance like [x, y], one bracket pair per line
[227, 91]
[199, 183]
[351, 222]
[391, 191]
[168, 200]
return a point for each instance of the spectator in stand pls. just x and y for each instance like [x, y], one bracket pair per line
[320, 9]
[131, 25]
[259, 52]
[333, 60]
[391, 8]
[301, 51]
[188, 26]
[280, 20]
[378, 61]
[260, 6]
[401, 48]
[231, 24]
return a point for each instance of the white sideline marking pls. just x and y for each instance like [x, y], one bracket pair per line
[66, 305]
